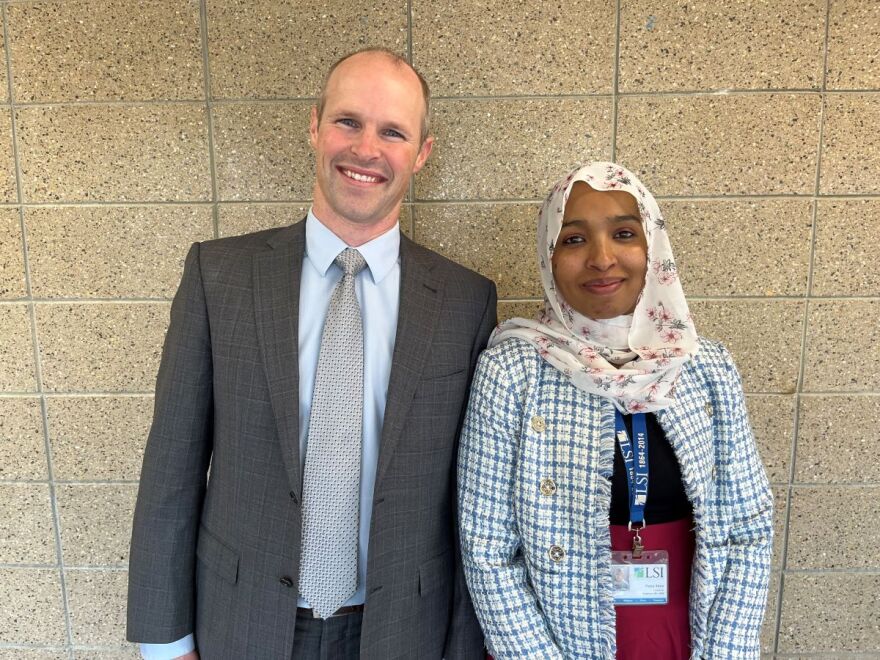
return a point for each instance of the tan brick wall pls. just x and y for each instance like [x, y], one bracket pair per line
[130, 129]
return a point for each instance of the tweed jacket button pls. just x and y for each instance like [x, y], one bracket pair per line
[557, 554]
[538, 424]
[286, 581]
[710, 411]
[548, 486]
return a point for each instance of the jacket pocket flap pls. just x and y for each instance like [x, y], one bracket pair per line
[435, 573]
[216, 556]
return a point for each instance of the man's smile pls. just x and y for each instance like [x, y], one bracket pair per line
[360, 176]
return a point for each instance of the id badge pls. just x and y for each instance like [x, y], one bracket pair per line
[640, 581]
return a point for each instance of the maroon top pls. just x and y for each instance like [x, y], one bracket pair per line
[659, 632]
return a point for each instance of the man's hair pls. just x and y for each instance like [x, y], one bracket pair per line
[396, 59]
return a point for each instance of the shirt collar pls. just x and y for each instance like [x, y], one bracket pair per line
[322, 247]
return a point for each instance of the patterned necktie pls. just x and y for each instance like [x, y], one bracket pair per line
[332, 475]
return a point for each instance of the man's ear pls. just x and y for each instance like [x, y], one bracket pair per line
[313, 127]
[424, 152]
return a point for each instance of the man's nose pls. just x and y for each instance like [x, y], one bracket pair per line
[366, 145]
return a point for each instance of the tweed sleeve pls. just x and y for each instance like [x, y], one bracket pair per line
[493, 562]
[734, 624]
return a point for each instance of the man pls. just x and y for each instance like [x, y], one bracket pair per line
[327, 402]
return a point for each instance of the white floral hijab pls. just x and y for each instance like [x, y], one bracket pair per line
[651, 345]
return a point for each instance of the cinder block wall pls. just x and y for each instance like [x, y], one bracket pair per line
[130, 129]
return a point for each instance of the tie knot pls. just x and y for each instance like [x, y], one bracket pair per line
[350, 261]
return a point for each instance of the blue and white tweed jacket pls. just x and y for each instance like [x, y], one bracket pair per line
[527, 423]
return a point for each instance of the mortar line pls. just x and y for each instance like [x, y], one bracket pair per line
[411, 186]
[35, 339]
[804, 333]
[264, 100]
[209, 110]
[615, 84]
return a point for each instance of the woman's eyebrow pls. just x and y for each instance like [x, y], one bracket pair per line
[627, 217]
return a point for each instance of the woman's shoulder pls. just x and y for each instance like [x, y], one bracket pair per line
[513, 360]
[712, 354]
[512, 349]
[713, 366]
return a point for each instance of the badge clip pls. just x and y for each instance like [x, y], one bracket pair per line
[638, 546]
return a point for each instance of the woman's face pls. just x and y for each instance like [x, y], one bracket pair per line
[601, 254]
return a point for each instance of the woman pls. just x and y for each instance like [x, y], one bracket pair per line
[574, 418]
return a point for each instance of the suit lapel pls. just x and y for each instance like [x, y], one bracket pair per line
[277, 273]
[421, 296]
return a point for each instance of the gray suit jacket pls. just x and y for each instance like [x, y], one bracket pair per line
[220, 555]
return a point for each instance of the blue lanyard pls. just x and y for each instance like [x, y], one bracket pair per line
[636, 461]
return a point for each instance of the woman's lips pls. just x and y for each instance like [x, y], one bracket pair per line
[603, 287]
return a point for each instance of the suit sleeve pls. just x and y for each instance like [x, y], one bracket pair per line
[465, 639]
[735, 617]
[161, 586]
[505, 603]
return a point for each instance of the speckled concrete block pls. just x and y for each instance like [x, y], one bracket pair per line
[283, 48]
[851, 149]
[112, 252]
[130, 652]
[31, 610]
[834, 612]
[496, 240]
[842, 333]
[22, 451]
[721, 145]
[32, 654]
[97, 606]
[763, 336]
[780, 509]
[98, 437]
[4, 84]
[26, 532]
[11, 256]
[101, 347]
[841, 513]
[96, 523]
[105, 50]
[768, 630]
[772, 419]
[845, 259]
[837, 439]
[262, 151]
[16, 350]
[114, 153]
[853, 35]
[765, 243]
[526, 309]
[476, 48]
[238, 219]
[718, 44]
[7, 164]
[512, 149]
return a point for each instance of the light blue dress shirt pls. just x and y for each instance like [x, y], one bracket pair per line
[377, 288]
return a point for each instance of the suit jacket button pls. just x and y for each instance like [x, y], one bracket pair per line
[538, 424]
[557, 554]
[294, 497]
[286, 581]
[548, 487]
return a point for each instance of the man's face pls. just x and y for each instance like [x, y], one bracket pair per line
[367, 142]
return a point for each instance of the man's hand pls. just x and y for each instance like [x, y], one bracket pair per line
[192, 655]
